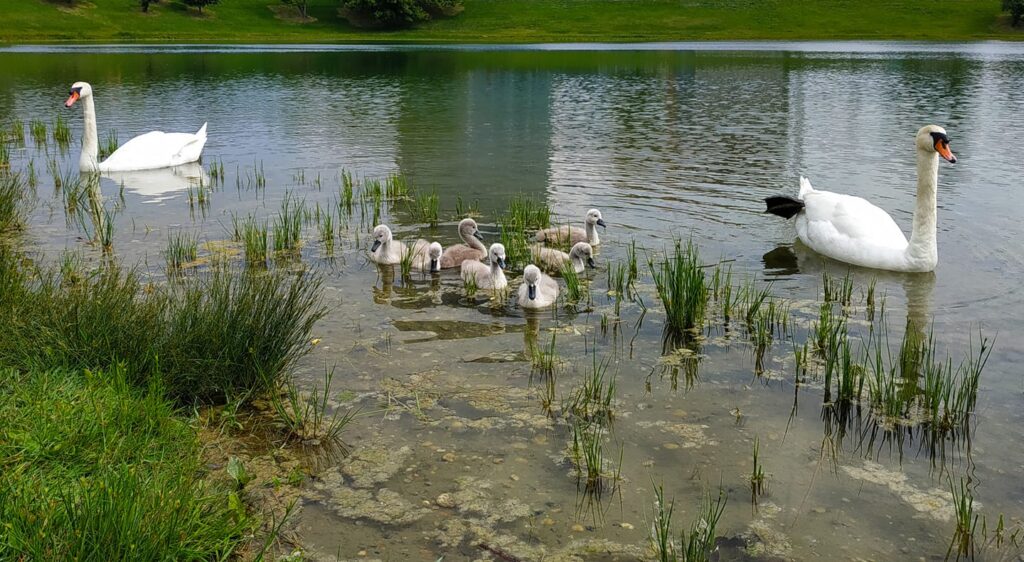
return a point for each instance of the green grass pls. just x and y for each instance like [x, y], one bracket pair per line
[206, 338]
[92, 469]
[682, 287]
[693, 546]
[12, 193]
[182, 248]
[518, 21]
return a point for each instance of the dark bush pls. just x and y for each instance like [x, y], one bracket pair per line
[396, 14]
[199, 4]
[1016, 9]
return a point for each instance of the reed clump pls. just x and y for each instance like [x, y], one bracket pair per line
[695, 545]
[206, 338]
[12, 198]
[681, 285]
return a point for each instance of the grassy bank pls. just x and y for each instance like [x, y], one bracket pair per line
[516, 21]
[101, 377]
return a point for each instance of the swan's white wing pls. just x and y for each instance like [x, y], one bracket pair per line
[155, 149]
[836, 219]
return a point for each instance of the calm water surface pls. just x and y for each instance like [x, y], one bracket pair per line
[668, 141]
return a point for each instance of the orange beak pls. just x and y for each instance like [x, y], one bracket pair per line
[943, 149]
[72, 99]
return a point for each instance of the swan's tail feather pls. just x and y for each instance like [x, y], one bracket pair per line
[805, 187]
[202, 132]
[785, 207]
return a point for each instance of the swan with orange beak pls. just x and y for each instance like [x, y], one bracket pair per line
[852, 230]
[149, 151]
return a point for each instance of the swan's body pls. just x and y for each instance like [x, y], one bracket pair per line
[488, 276]
[580, 256]
[426, 256]
[149, 151]
[538, 290]
[574, 234]
[385, 249]
[472, 248]
[852, 230]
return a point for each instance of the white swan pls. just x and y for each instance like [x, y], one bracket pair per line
[144, 152]
[538, 290]
[385, 249]
[487, 276]
[581, 255]
[574, 234]
[473, 249]
[850, 229]
[426, 256]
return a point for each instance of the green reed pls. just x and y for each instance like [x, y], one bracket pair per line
[528, 213]
[347, 191]
[587, 454]
[287, 227]
[5, 157]
[544, 361]
[253, 236]
[33, 178]
[61, 132]
[680, 282]
[325, 226]
[396, 186]
[12, 197]
[631, 261]
[593, 400]
[757, 480]
[18, 132]
[182, 248]
[215, 169]
[426, 207]
[406, 260]
[463, 210]
[617, 283]
[109, 144]
[963, 541]
[469, 285]
[693, 546]
[575, 288]
[304, 418]
[517, 249]
[38, 129]
[837, 290]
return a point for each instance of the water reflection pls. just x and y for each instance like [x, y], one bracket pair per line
[157, 185]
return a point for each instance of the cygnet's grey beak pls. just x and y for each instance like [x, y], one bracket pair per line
[600, 222]
[501, 262]
[532, 292]
[478, 236]
[435, 265]
[590, 262]
[376, 244]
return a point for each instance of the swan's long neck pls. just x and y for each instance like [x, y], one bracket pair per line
[591, 228]
[473, 242]
[89, 161]
[923, 246]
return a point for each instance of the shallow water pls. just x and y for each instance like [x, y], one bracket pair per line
[668, 141]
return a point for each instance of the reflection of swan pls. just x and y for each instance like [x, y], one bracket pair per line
[574, 234]
[538, 290]
[155, 149]
[155, 183]
[799, 259]
[852, 230]
[487, 276]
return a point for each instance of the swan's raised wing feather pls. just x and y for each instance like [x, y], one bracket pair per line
[155, 149]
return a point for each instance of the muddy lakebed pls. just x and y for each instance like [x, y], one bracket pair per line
[463, 439]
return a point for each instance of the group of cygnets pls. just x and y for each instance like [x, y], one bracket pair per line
[538, 289]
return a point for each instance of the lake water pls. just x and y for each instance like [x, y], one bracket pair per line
[669, 141]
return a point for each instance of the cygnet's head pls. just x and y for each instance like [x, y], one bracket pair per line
[497, 255]
[434, 251]
[468, 227]
[932, 138]
[381, 235]
[594, 217]
[531, 276]
[78, 91]
[583, 251]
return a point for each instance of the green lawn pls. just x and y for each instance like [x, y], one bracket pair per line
[516, 21]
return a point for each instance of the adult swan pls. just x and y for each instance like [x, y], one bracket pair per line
[144, 152]
[850, 229]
